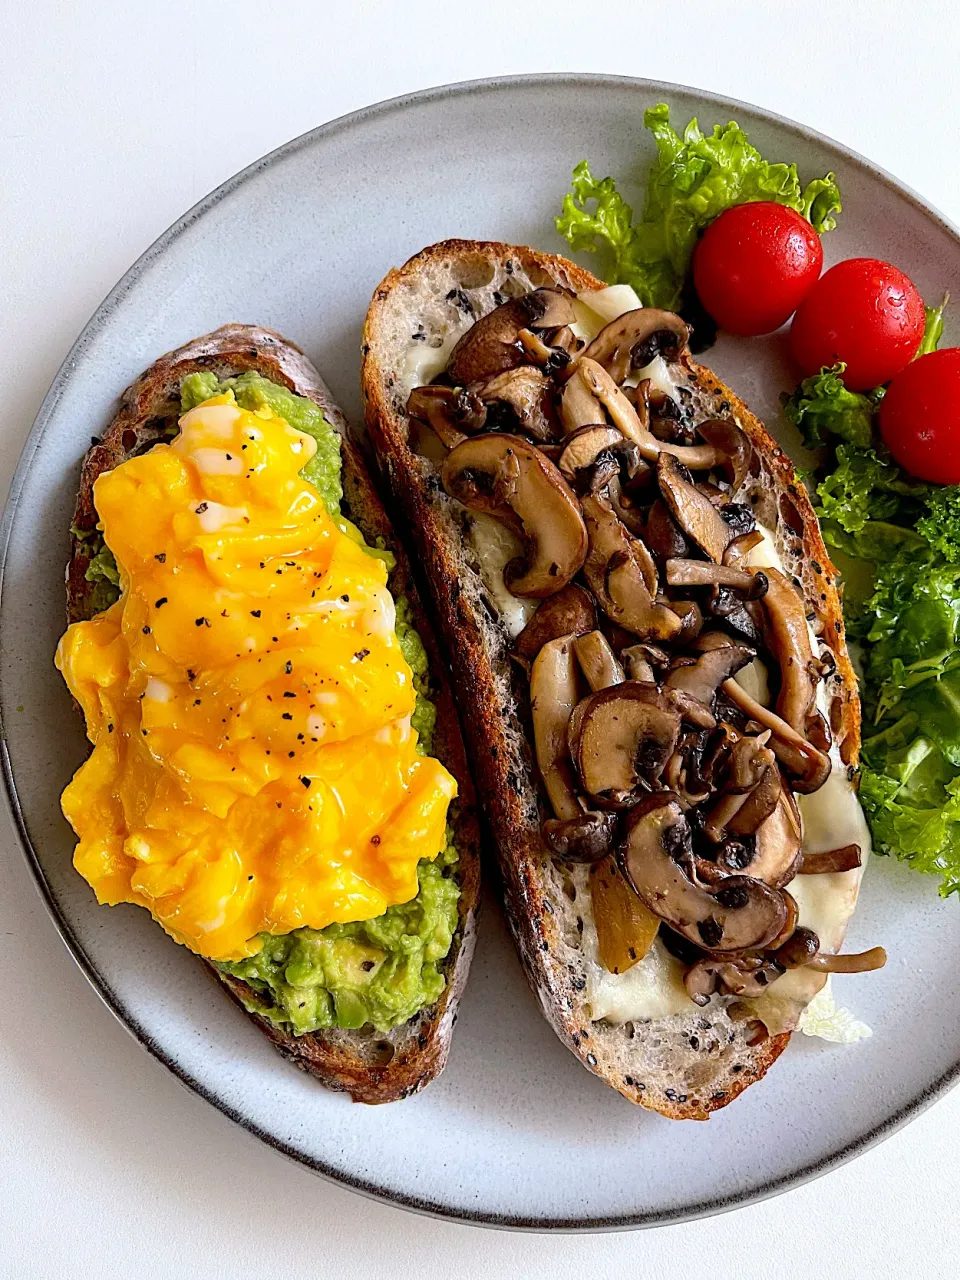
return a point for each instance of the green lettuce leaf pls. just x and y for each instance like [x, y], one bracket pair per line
[694, 178]
[822, 407]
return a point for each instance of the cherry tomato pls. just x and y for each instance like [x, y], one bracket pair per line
[754, 265]
[864, 312]
[920, 417]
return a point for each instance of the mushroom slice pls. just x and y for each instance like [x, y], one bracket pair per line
[553, 695]
[570, 612]
[618, 570]
[625, 416]
[736, 449]
[626, 736]
[492, 345]
[847, 858]
[798, 950]
[662, 534]
[635, 338]
[859, 962]
[451, 412]
[507, 478]
[777, 835]
[705, 573]
[718, 659]
[520, 398]
[597, 661]
[625, 927]
[586, 838]
[737, 914]
[808, 767]
[596, 457]
[693, 511]
[790, 642]
[742, 546]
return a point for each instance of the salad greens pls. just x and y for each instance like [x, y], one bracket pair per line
[902, 537]
[694, 178]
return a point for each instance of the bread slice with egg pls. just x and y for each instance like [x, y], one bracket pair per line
[372, 1066]
[639, 1034]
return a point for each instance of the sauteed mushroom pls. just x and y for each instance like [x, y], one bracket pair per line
[492, 345]
[597, 661]
[585, 838]
[705, 573]
[520, 398]
[506, 477]
[736, 450]
[617, 569]
[452, 412]
[738, 914]
[809, 768]
[790, 641]
[743, 976]
[846, 858]
[635, 338]
[570, 612]
[858, 962]
[553, 695]
[624, 737]
[717, 660]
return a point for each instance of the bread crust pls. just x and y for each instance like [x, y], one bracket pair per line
[508, 783]
[371, 1067]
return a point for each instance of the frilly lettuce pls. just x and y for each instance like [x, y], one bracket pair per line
[822, 1017]
[694, 178]
[906, 535]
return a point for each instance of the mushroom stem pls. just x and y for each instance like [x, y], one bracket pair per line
[598, 661]
[810, 766]
[846, 858]
[704, 573]
[858, 962]
[553, 695]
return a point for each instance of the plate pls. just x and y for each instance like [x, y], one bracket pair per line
[515, 1133]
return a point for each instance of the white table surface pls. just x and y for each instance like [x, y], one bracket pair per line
[115, 116]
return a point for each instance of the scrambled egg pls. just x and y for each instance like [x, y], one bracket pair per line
[253, 766]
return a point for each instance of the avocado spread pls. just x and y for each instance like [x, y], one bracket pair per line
[382, 971]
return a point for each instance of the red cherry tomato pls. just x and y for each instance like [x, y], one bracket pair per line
[920, 417]
[864, 312]
[754, 265]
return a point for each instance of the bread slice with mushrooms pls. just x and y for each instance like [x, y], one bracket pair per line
[371, 1066]
[588, 508]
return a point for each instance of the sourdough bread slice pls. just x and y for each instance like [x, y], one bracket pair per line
[372, 1066]
[684, 1065]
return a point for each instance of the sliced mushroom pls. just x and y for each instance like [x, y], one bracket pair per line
[860, 962]
[736, 450]
[777, 846]
[745, 976]
[597, 458]
[625, 416]
[586, 838]
[691, 621]
[553, 695]
[799, 949]
[492, 345]
[662, 534]
[451, 412]
[635, 338]
[753, 816]
[741, 547]
[570, 612]
[693, 511]
[550, 358]
[738, 914]
[597, 661]
[718, 659]
[790, 642]
[847, 858]
[617, 569]
[735, 613]
[808, 767]
[507, 478]
[626, 736]
[519, 399]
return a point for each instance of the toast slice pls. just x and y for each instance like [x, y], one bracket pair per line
[371, 1066]
[683, 1065]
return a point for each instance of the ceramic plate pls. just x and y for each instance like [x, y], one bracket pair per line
[515, 1133]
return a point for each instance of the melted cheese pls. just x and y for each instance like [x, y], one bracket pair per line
[216, 795]
[496, 546]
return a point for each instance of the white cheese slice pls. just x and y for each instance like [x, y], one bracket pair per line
[423, 362]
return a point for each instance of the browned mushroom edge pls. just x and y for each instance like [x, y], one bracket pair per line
[635, 544]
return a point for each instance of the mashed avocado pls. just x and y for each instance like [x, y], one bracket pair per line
[379, 971]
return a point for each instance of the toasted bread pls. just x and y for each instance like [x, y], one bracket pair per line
[372, 1066]
[686, 1065]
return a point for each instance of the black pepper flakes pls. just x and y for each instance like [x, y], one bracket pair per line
[255, 613]
[374, 839]
[287, 715]
[201, 509]
[361, 654]
[161, 556]
[306, 781]
[158, 604]
[145, 630]
[201, 622]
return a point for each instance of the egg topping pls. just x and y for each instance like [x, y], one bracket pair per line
[253, 767]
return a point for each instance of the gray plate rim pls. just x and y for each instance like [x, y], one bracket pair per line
[126, 1016]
